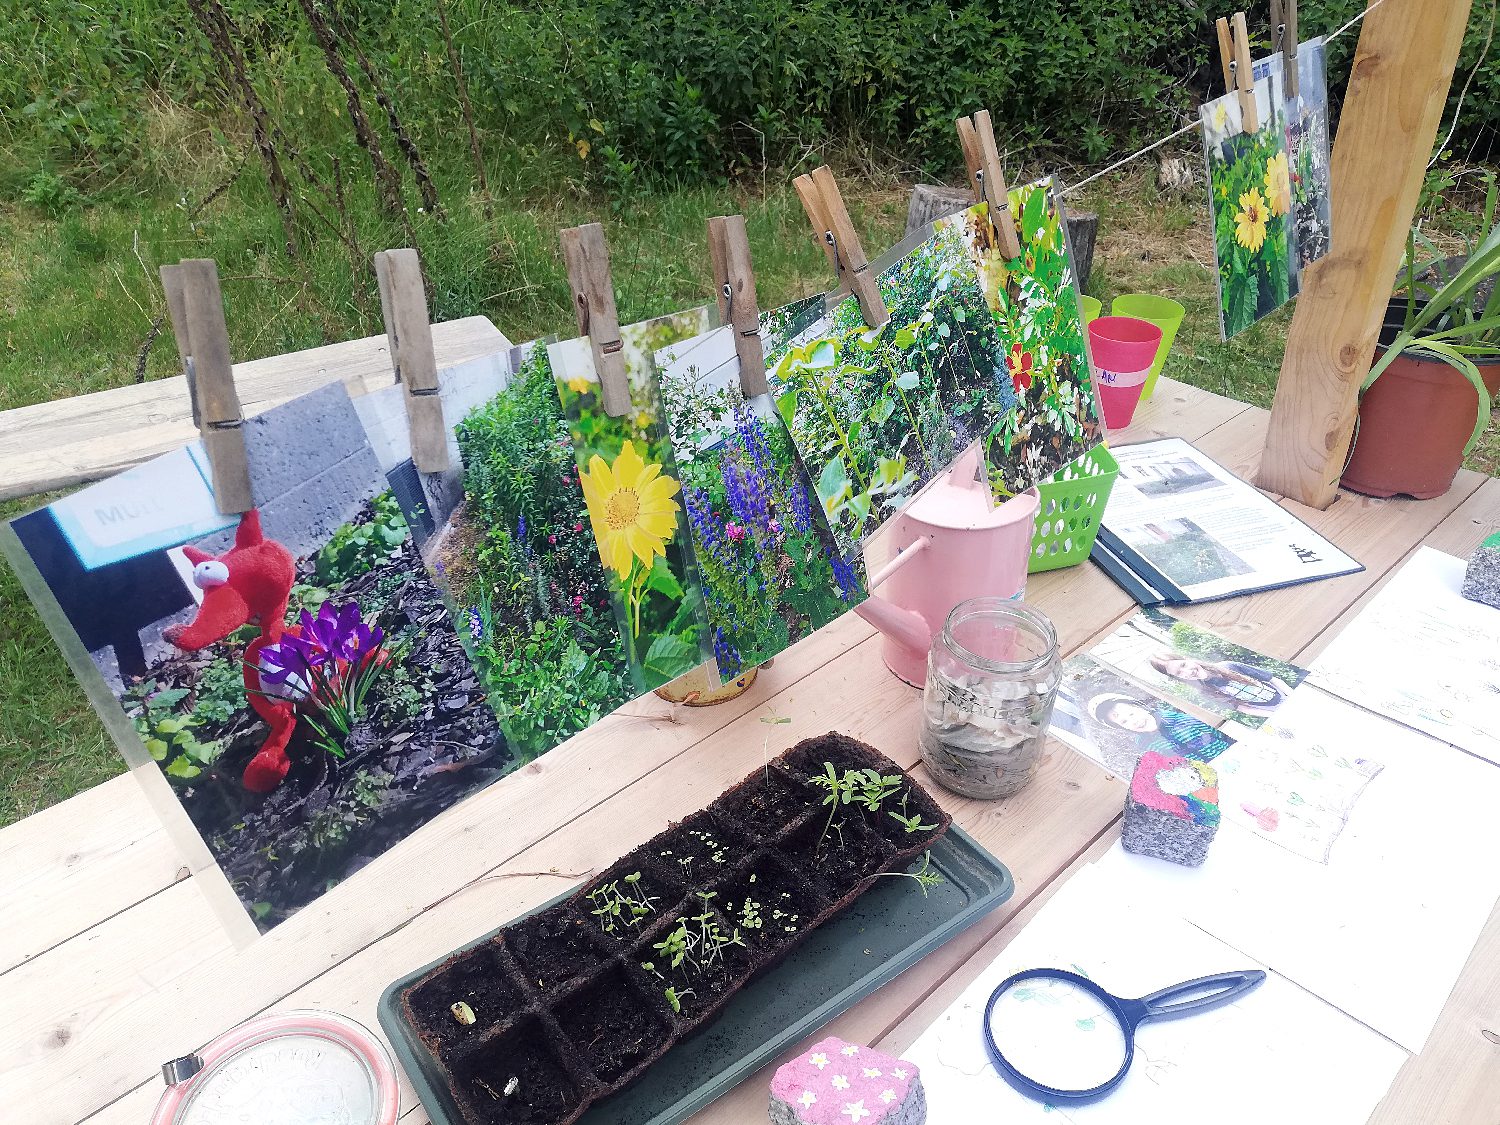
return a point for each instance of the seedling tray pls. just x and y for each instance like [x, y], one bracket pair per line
[887, 930]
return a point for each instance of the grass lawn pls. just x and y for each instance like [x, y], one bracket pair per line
[81, 296]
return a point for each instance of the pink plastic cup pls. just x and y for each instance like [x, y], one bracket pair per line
[1123, 348]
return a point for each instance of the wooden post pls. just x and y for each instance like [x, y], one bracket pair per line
[403, 303]
[217, 403]
[734, 285]
[587, 258]
[1397, 90]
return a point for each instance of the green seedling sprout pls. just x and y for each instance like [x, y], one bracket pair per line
[913, 822]
[868, 788]
[765, 748]
[925, 876]
[627, 908]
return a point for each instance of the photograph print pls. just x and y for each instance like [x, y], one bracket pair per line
[771, 570]
[1183, 662]
[1034, 302]
[1108, 718]
[292, 673]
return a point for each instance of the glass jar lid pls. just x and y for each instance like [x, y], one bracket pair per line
[292, 1068]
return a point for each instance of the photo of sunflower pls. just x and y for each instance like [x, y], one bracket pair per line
[631, 507]
[1250, 199]
[1250, 221]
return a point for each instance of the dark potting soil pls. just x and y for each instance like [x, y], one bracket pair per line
[614, 1014]
[524, 1062]
[475, 978]
[810, 759]
[406, 760]
[612, 901]
[555, 947]
[613, 1024]
[765, 803]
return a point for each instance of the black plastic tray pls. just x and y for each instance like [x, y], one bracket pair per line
[888, 929]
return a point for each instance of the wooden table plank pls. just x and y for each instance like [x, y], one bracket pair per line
[77, 863]
[71, 441]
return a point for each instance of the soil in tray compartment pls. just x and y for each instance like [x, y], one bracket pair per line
[475, 979]
[769, 905]
[554, 948]
[835, 860]
[518, 1079]
[707, 970]
[765, 803]
[699, 850]
[902, 799]
[627, 901]
[612, 1025]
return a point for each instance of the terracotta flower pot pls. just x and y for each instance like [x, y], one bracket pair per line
[1413, 423]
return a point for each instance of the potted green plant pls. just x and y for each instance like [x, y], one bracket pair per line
[1426, 400]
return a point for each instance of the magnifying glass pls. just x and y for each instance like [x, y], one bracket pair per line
[1058, 1037]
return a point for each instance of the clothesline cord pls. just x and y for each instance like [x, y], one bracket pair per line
[1186, 129]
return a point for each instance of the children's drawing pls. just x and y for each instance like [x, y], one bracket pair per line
[632, 490]
[1034, 302]
[771, 569]
[288, 678]
[1250, 201]
[876, 413]
[1113, 721]
[1183, 662]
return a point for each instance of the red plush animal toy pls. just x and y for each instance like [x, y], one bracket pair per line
[249, 583]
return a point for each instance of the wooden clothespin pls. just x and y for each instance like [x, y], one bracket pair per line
[825, 209]
[403, 304]
[734, 282]
[976, 136]
[1284, 21]
[1239, 75]
[587, 258]
[197, 310]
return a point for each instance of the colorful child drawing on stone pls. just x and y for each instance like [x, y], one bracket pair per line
[771, 570]
[632, 492]
[876, 413]
[1034, 302]
[1250, 202]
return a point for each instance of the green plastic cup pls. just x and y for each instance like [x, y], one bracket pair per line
[1163, 312]
[1090, 306]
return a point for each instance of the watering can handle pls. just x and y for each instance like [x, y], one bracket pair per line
[907, 554]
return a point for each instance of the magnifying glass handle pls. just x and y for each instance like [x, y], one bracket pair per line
[1198, 995]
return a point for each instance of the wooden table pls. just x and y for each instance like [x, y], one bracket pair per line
[110, 961]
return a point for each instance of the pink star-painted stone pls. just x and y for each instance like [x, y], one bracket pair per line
[875, 1089]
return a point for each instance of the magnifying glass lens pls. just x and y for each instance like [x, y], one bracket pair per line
[1057, 1034]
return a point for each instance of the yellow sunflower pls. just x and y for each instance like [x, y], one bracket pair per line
[1221, 118]
[631, 507]
[1278, 185]
[579, 385]
[1250, 223]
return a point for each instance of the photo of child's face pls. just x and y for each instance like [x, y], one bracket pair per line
[1184, 668]
[1132, 717]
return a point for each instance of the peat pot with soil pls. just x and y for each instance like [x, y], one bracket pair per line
[574, 1002]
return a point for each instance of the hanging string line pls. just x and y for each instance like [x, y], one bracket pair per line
[1464, 93]
[1195, 126]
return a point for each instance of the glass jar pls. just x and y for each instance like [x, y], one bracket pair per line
[992, 678]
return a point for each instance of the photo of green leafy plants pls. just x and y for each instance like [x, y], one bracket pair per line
[522, 574]
[876, 413]
[296, 678]
[1034, 301]
[1250, 200]
[1308, 158]
[771, 569]
[631, 494]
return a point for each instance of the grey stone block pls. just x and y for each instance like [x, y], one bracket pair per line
[1482, 579]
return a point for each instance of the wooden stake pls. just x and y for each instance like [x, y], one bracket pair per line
[848, 255]
[220, 420]
[1402, 70]
[734, 284]
[1245, 76]
[817, 215]
[403, 303]
[587, 258]
[993, 186]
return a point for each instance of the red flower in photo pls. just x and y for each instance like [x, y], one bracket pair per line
[1019, 363]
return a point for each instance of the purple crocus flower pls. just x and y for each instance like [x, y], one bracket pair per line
[284, 661]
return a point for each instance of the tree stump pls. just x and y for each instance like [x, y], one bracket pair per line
[931, 202]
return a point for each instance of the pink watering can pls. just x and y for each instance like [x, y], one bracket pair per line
[952, 546]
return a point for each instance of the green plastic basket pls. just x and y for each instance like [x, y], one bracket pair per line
[1067, 519]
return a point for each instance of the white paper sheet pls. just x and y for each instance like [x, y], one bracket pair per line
[1275, 1054]
[1381, 930]
[1424, 655]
